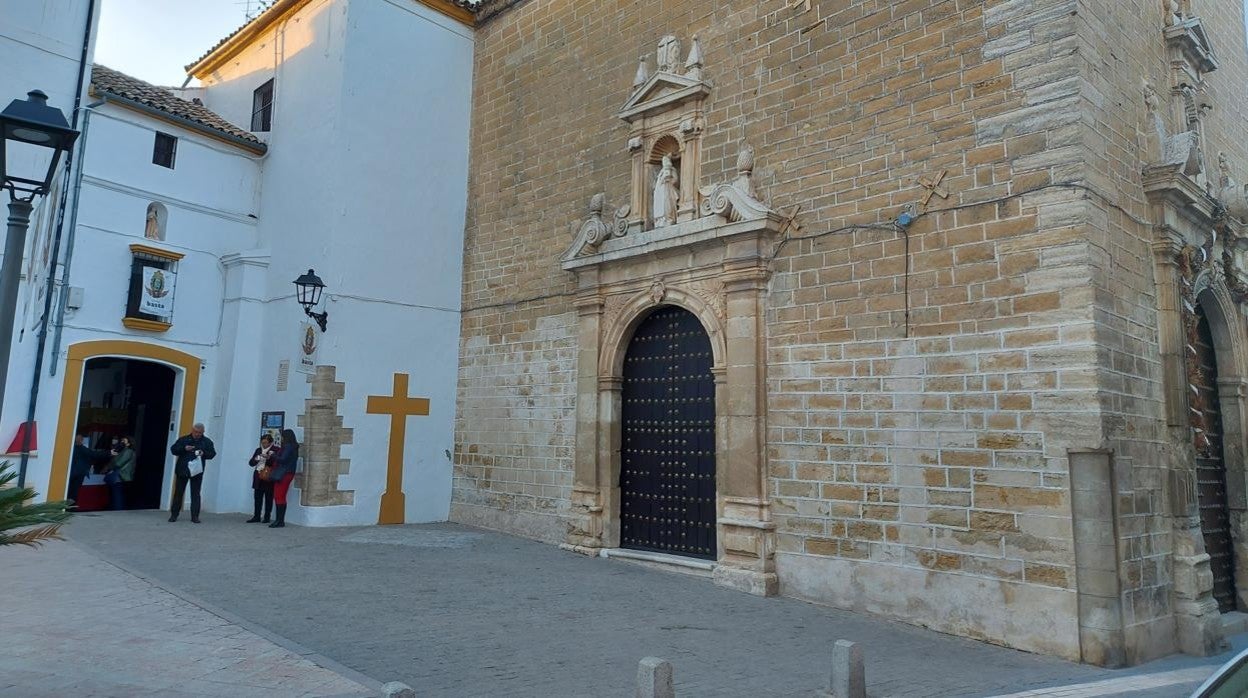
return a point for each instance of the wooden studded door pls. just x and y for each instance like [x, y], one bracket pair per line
[667, 450]
[1215, 521]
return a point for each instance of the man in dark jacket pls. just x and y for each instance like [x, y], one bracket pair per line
[80, 464]
[192, 447]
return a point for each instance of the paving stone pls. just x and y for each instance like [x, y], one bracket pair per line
[76, 625]
[508, 616]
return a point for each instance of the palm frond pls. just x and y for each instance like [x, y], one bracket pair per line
[38, 522]
[33, 537]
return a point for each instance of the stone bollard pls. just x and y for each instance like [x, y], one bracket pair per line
[397, 689]
[654, 679]
[849, 677]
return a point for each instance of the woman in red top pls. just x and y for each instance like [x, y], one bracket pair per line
[283, 473]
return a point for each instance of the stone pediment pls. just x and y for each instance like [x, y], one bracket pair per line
[662, 92]
[1190, 39]
[726, 210]
[702, 232]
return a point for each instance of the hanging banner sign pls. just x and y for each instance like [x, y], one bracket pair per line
[308, 341]
[157, 292]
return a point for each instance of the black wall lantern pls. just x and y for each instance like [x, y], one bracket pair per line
[308, 290]
[33, 122]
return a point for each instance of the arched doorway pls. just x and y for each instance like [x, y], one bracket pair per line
[667, 440]
[1215, 515]
[187, 370]
[127, 398]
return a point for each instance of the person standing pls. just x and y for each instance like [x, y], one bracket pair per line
[262, 485]
[80, 465]
[283, 473]
[120, 471]
[193, 452]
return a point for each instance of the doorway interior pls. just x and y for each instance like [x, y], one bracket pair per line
[130, 397]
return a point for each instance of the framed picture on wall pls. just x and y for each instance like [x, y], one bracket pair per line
[272, 423]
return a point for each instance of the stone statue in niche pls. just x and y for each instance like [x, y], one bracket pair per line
[151, 230]
[669, 54]
[666, 194]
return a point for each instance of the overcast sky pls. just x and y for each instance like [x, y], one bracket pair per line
[154, 39]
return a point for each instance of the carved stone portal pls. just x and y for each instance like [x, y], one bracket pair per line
[712, 260]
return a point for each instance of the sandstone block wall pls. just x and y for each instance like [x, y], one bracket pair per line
[921, 410]
[1121, 44]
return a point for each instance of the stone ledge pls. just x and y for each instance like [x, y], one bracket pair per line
[663, 561]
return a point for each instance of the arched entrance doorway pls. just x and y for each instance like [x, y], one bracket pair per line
[1215, 515]
[133, 399]
[667, 441]
[186, 369]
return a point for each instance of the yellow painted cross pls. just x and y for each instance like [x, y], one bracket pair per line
[399, 406]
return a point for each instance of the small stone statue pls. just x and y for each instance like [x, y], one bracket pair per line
[1233, 195]
[1172, 12]
[666, 194]
[151, 230]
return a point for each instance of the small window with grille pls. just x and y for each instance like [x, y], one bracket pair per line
[262, 108]
[165, 150]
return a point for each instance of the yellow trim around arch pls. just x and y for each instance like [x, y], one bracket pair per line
[67, 416]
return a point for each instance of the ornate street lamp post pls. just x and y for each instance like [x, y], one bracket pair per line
[28, 122]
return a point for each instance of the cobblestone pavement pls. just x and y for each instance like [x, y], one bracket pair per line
[74, 625]
[456, 611]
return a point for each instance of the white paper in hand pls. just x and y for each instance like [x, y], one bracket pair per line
[195, 466]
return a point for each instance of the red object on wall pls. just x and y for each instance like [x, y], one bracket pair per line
[15, 448]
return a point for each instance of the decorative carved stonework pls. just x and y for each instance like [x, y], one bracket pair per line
[711, 291]
[1180, 151]
[1187, 41]
[707, 251]
[666, 115]
[658, 291]
[1192, 262]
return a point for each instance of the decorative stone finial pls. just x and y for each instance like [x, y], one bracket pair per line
[643, 72]
[745, 159]
[693, 64]
[597, 203]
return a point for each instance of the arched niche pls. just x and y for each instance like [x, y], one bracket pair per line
[156, 221]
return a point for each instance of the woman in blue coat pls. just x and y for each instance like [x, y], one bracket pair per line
[283, 473]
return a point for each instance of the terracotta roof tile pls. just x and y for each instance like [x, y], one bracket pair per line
[106, 81]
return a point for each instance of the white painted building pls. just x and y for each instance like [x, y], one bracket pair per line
[318, 159]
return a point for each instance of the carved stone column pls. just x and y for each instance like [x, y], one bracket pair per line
[746, 531]
[585, 527]
[1183, 215]
[1170, 327]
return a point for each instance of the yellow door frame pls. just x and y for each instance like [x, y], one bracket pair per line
[67, 416]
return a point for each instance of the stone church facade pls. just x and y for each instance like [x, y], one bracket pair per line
[927, 309]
